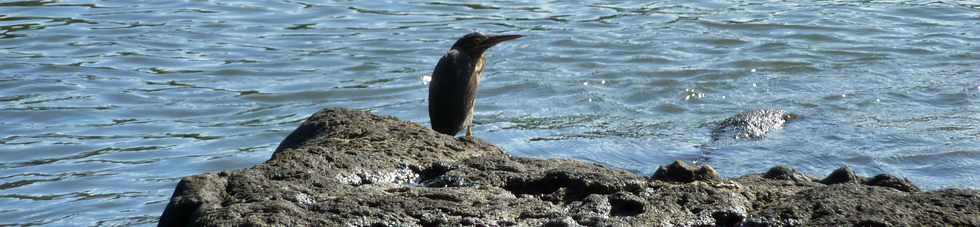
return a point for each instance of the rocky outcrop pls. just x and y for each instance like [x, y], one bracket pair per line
[352, 168]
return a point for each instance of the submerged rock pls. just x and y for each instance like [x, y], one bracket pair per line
[352, 168]
[751, 125]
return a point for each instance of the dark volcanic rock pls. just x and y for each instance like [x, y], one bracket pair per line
[841, 176]
[751, 125]
[679, 171]
[786, 173]
[853, 204]
[351, 168]
[885, 180]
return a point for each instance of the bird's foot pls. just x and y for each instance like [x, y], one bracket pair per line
[469, 138]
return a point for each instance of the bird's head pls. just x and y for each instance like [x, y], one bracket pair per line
[476, 43]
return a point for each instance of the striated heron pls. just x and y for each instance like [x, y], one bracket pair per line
[452, 91]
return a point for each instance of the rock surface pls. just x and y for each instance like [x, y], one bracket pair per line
[352, 168]
[751, 125]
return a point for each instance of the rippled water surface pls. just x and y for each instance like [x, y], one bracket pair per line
[106, 104]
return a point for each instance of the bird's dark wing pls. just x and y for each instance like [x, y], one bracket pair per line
[457, 64]
[449, 102]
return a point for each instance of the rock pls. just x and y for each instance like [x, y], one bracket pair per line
[856, 204]
[786, 173]
[885, 180]
[352, 168]
[562, 222]
[681, 172]
[842, 175]
[751, 125]
[626, 205]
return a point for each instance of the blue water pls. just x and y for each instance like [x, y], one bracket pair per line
[106, 104]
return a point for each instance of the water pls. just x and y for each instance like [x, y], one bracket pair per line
[106, 104]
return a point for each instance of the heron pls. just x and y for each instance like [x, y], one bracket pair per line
[452, 90]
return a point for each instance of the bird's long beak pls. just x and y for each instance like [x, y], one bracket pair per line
[494, 40]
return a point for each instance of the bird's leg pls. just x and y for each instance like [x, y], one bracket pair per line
[469, 134]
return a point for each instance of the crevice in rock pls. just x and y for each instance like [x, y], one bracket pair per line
[568, 188]
[435, 170]
[445, 181]
[682, 201]
[436, 176]
[727, 218]
[625, 207]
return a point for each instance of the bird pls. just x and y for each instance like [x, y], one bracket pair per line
[452, 89]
